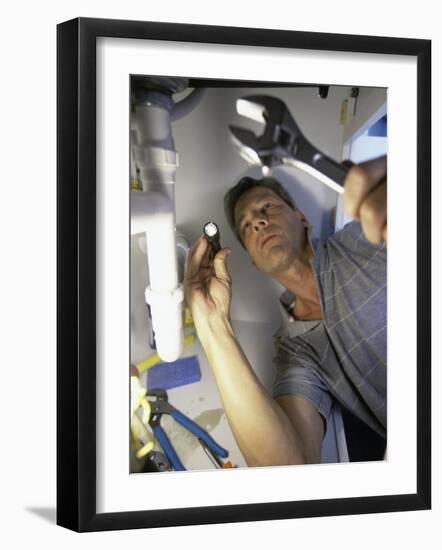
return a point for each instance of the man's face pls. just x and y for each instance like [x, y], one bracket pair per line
[272, 232]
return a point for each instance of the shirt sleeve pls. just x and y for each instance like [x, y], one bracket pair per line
[302, 380]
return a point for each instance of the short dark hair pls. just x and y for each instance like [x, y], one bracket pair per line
[234, 193]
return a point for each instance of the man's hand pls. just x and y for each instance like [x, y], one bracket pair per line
[207, 283]
[365, 197]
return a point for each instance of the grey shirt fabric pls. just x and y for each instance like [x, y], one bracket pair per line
[343, 356]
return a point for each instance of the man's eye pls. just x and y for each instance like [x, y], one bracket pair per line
[268, 204]
[245, 226]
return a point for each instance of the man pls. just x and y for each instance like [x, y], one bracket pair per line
[336, 345]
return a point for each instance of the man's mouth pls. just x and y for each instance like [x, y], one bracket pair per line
[266, 239]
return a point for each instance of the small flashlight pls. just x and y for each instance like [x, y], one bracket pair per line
[211, 232]
[265, 170]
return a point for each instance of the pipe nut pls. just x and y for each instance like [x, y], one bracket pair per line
[154, 156]
[159, 297]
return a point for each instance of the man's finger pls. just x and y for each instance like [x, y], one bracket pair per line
[373, 214]
[220, 265]
[360, 181]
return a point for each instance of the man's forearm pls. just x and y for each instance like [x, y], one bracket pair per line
[263, 432]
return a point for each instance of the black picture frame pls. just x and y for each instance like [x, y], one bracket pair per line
[76, 273]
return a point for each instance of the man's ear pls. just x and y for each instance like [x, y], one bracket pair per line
[301, 216]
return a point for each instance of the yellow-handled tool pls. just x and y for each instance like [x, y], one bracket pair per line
[138, 427]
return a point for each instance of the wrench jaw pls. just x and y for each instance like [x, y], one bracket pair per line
[253, 153]
[278, 139]
[282, 142]
[254, 150]
[246, 143]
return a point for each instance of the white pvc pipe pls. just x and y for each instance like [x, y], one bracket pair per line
[188, 104]
[153, 213]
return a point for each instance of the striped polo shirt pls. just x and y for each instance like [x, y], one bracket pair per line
[344, 355]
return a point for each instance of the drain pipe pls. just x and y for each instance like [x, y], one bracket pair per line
[151, 213]
[153, 207]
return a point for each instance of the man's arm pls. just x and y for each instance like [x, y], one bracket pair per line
[267, 433]
[307, 422]
[365, 197]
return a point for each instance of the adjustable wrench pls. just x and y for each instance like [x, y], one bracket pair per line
[282, 142]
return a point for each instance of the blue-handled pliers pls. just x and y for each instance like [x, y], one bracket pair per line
[159, 406]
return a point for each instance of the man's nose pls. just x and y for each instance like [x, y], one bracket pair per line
[260, 222]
